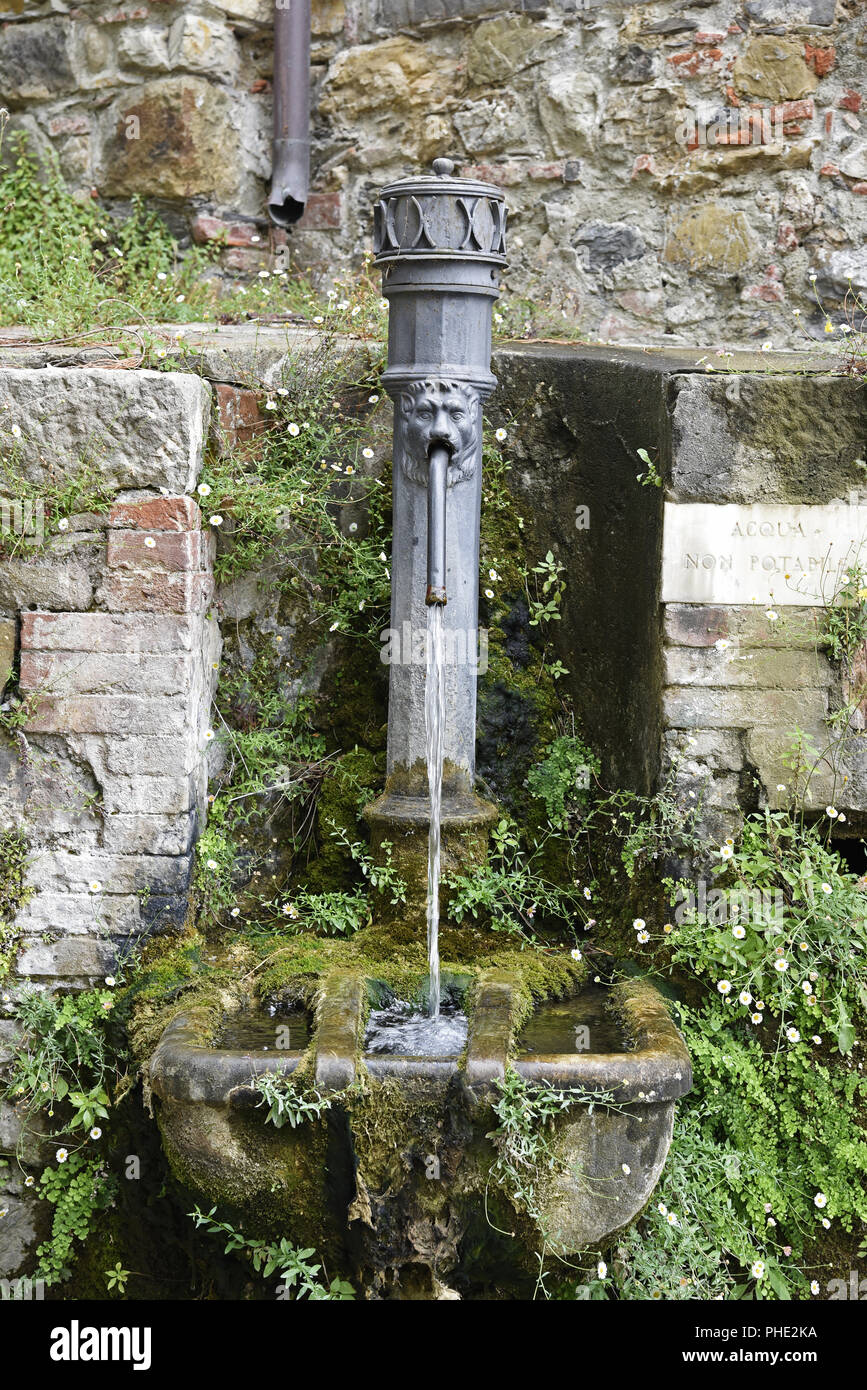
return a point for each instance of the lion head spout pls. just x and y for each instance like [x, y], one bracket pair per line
[444, 412]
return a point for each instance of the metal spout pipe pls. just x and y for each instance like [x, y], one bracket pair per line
[439, 456]
[290, 173]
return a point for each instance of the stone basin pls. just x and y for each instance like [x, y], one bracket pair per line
[371, 1200]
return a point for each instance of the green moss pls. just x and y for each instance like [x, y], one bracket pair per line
[352, 781]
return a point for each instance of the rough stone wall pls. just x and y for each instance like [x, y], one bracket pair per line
[672, 172]
[116, 652]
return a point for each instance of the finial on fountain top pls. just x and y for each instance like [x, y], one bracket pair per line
[443, 167]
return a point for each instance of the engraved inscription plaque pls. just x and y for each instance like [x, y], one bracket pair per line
[760, 553]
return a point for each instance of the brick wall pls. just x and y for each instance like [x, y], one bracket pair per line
[117, 663]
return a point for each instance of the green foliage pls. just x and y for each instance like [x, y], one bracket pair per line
[64, 1056]
[310, 494]
[550, 587]
[509, 893]
[792, 939]
[116, 1279]
[846, 615]
[651, 476]
[65, 266]
[526, 1112]
[297, 1274]
[562, 779]
[286, 1105]
[13, 893]
[78, 1188]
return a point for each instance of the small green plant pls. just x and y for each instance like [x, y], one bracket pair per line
[550, 587]
[116, 1279]
[846, 616]
[13, 893]
[78, 1189]
[651, 476]
[286, 1105]
[64, 1058]
[563, 778]
[523, 1140]
[298, 1276]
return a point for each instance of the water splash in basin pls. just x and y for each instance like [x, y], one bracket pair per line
[407, 1032]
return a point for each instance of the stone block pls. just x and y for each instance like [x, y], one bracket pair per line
[58, 583]
[67, 957]
[58, 871]
[751, 667]
[149, 795]
[203, 45]
[136, 755]
[35, 61]
[818, 12]
[142, 834]
[66, 673]
[686, 708]
[142, 429]
[107, 714]
[187, 142]
[720, 748]
[773, 68]
[108, 632]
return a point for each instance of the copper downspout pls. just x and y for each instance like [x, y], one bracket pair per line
[291, 158]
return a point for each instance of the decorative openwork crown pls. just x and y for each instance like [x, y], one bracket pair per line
[438, 215]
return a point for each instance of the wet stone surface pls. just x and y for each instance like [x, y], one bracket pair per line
[580, 1024]
[255, 1030]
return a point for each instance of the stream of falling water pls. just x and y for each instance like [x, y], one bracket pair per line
[434, 723]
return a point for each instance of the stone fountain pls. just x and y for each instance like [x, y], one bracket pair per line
[395, 1182]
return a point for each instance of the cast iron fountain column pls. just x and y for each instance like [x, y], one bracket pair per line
[440, 243]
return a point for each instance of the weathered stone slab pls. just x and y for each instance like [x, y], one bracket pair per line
[140, 429]
[759, 553]
[73, 956]
[818, 12]
[751, 667]
[688, 708]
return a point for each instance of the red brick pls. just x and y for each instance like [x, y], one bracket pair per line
[105, 632]
[821, 60]
[859, 188]
[249, 260]
[794, 110]
[158, 593]
[709, 36]
[129, 550]
[158, 514]
[107, 714]
[322, 212]
[829, 171]
[239, 416]
[697, 61]
[69, 125]
[787, 237]
[206, 228]
[849, 100]
[261, 84]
